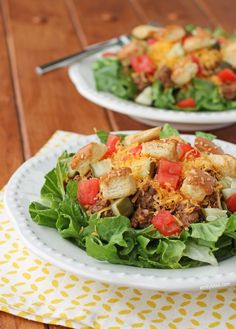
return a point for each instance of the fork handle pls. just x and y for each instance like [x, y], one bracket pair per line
[70, 59]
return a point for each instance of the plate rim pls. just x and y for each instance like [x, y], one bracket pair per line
[95, 272]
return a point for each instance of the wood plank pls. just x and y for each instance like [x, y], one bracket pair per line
[8, 321]
[11, 154]
[171, 12]
[48, 102]
[221, 13]
[101, 20]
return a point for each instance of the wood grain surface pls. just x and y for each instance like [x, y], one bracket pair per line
[32, 107]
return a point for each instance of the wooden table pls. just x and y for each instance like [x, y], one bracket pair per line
[32, 107]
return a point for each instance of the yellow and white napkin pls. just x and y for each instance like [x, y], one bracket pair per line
[36, 290]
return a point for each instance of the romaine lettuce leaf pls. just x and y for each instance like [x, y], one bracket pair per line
[43, 215]
[168, 131]
[209, 231]
[201, 253]
[209, 136]
[109, 77]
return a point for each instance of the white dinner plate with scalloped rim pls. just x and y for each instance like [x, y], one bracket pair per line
[24, 187]
[82, 76]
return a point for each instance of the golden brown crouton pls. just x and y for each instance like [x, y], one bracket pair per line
[118, 183]
[87, 155]
[161, 149]
[197, 185]
[143, 136]
[225, 164]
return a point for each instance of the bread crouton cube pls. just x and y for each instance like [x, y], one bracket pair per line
[160, 149]
[118, 183]
[87, 155]
[197, 185]
[143, 136]
[142, 167]
[224, 164]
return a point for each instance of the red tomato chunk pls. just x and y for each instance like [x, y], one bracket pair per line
[165, 223]
[169, 173]
[187, 103]
[182, 149]
[136, 150]
[111, 144]
[231, 203]
[142, 64]
[227, 75]
[87, 191]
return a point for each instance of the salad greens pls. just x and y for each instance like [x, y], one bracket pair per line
[113, 239]
[109, 77]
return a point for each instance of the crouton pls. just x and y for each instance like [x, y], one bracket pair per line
[205, 145]
[160, 149]
[143, 167]
[225, 164]
[197, 185]
[143, 136]
[87, 155]
[118, 183]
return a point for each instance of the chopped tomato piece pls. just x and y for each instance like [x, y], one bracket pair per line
[87, 191]
[222, 40]
[196, 60]
[142, 64]
[169, 173]
[165, 223]
[111, 144]
[231, 203]
[227, 75]
[192, 154]
[182, 149]
[186, 103]
[136, 150]
[151, 41]
[109, 54]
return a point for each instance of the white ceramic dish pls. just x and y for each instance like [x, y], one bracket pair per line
[24, 187]
[82, 76]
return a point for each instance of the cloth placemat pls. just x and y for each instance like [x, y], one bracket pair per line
[37, 290]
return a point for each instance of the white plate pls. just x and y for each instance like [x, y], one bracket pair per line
[24, 187]
[82, 76]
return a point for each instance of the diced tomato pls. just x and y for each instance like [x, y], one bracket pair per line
[169, 173]
[111, 144]
[192, 154]
[196, 60]
[151, 41]
[185, 37]
[165, 223]
[222, 40]
[231, 203]
[109, 54]
[142, 64]
[187, 103]
[227, 75]
[136, 150]
[182, 149]
[87, 191]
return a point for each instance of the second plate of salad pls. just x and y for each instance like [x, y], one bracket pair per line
[184, 75]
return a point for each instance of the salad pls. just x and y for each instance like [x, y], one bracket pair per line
[172, 67]
[149, 199]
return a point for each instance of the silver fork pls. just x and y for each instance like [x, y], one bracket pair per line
[70, 59]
